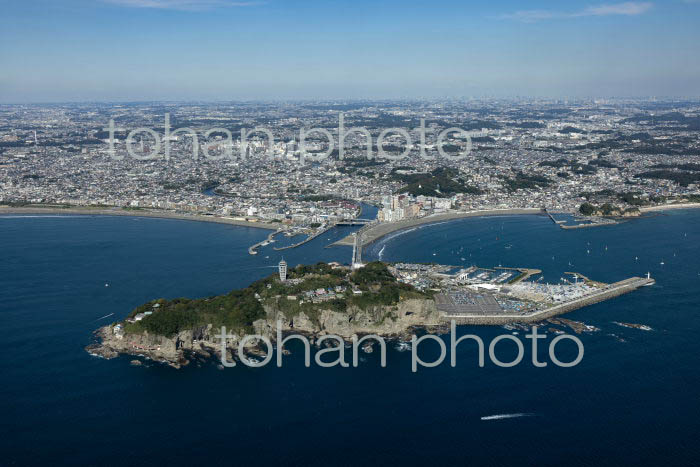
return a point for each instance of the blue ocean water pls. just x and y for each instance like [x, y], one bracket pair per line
[633, 402]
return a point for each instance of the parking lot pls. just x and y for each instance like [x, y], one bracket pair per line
[467, 303]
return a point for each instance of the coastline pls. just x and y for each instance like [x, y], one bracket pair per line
[398, 321]
[377, 231]
[204, 340]
[4, 210]
[668, 207]
[372, 234]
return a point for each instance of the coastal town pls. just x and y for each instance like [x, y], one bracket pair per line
[595, 158]
[345, 233]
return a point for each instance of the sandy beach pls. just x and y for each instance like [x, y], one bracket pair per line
[5, 210]
[377, 231]
[667, 207]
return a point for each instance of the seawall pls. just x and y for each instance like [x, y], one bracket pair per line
[611, 291]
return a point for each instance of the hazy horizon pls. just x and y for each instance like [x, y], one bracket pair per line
[217, 50]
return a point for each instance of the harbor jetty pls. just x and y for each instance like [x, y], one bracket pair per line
[605, 293]
[307, 239]
[253, 250]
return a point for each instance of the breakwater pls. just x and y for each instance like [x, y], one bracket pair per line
[253, 249]
[588, 224]
[307, 239]
[606, 293]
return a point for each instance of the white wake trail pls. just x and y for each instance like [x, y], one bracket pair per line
[105, 316]
[507, 415]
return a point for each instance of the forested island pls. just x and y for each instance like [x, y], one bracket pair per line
[313, 299]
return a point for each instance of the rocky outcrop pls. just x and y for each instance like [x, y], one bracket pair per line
[204, 341]
[608, 210]
[158, 348]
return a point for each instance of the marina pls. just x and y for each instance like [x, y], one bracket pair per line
[482, 296]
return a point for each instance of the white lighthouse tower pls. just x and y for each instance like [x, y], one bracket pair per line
[282, 267]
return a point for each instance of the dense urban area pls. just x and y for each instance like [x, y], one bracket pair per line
[594, 158]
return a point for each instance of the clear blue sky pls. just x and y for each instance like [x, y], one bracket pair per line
[74, 50]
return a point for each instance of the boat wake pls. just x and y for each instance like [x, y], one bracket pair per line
[381, 252]
[105, 316]
[507, 415]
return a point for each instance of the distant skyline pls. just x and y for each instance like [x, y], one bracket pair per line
[127, 50]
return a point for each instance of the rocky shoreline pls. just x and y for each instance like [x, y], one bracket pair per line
[398, 321]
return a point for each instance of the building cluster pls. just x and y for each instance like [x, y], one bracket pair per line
[405, 206]
[529, 153]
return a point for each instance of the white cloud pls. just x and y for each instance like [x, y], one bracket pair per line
[529, 16]
[625, 9]
[186, 5]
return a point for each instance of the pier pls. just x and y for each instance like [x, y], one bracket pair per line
[525, 273]
[593, 222]
[307, 239]
[253, 249]
[549, 213]
[365, 223]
